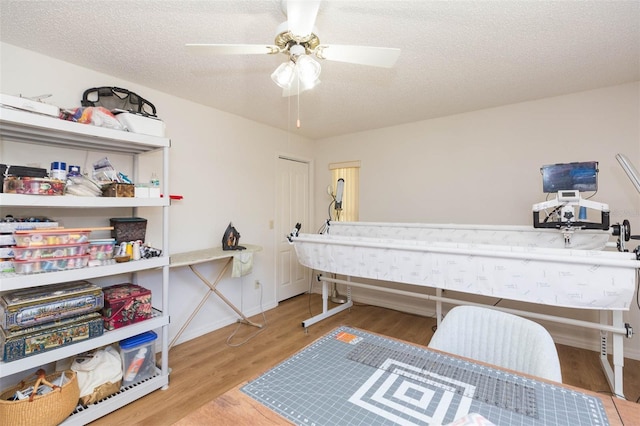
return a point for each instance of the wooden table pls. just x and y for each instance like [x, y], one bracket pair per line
[236, 408]
[193, 258]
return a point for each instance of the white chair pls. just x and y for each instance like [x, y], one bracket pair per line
[498, 338]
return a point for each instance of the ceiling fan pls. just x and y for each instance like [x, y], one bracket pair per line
[297, 39]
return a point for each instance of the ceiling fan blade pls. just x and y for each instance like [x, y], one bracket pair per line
[301, 16]
[385, 57]
[232, 49]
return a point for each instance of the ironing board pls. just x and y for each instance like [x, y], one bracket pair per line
[193, 258]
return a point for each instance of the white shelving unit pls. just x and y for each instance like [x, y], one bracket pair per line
[29, 128]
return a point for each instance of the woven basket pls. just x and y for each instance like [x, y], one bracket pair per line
[127, 229]
[101, 392]
[49, 409]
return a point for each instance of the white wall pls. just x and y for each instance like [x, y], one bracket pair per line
[483, 167]
[222, 164]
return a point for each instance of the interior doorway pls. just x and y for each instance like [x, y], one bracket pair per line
[292, 204]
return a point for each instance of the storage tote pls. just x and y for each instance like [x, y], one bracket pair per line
[45, 410]
[138, 357]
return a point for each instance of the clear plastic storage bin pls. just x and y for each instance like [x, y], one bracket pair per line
[138, 357]
[101, 249]
[50, 265]
[49, 252]
[50, 238]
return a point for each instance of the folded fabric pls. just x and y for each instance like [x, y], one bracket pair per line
[102, 367]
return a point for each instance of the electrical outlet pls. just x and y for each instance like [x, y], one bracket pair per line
[257, 284]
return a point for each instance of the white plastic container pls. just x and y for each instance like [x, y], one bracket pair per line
[7, 253]
[141, 124]
[7, 240]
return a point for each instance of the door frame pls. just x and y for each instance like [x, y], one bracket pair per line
[311, 173]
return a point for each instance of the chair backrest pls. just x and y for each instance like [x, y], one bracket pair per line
[498, 338]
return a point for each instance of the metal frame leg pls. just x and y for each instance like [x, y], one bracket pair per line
[438, 307]
[326, 312]
[613, 374]
[212, 289]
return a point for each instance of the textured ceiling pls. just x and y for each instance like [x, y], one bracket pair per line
[457, 56]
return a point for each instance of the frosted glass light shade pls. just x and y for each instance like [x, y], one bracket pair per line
[283, 75]
[308, 69]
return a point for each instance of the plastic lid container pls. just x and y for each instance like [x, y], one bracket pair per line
[50, 237]
[101, 249]
[138, 340]
[50, 252]
[59, 165]
[73, 171]
[57, 264]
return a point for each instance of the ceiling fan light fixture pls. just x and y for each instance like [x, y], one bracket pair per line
[297, 39]
[308, 70]
[284, 74]
[297, 50]
[309, 84]
[302, 85]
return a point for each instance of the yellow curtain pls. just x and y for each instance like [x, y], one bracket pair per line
[350, 172]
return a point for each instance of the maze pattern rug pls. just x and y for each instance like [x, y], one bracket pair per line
[351, 377]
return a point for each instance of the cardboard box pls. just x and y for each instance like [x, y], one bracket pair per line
[142, 192]
[35, 306]
[41, 338]
[126, 304]
[147, 192]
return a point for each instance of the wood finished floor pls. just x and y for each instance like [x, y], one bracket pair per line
[208, 366]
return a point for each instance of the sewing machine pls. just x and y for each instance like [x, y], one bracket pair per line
[567, 181]
[564, 208]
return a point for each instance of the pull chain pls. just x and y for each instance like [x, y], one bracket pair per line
[298, 88]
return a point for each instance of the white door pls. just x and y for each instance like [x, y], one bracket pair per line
[293, 207]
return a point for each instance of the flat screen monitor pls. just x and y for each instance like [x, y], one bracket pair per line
[581, 177]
